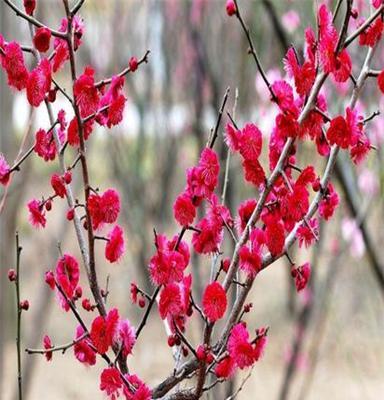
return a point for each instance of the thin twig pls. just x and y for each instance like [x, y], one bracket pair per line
[374, 73]
[364, 26]
[232, 120]
[73, 165]
[147, 311]
[124, 72]
[336, 10]
[214, 133]
[228, 159]
[323, 114]
[77, 7]
[33, 20]
[212, 385]
[184, 339]
[196, 307]
[19, 312]
[62, 90]
[83, 325]
[344, 29]
[240, 388]
[92, 277]
[252, 51]
[16, 166]
[63, 347]
[371, 117]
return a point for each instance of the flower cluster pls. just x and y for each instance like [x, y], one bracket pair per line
[286, 197]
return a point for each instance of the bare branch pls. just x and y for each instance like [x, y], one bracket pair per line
[63, 348]
[365, 25]
[124, 72]
[32, 20]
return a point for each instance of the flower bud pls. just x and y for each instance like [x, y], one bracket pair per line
[142, 303]
[68, 177]
[78, 292]
[50, 279]
[171, 341]
[247, 307]
[24, 305]
[12, 275]
[42, 38]
[29, 6]
[200, 352]
[48, 205]
[52, 95]
[133, 64]
[226, 263]
[231, 7]
[70, 214]
[316, 186]
[86, 304]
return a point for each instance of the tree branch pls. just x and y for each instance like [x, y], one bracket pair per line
[19, 312]
[32, 20]
[63, 347]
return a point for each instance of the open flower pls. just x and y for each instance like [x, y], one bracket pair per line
[214, 301]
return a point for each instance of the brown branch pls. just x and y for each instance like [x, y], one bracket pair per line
[301, 329]
[89, 117]
[93, 280]
[63, 91]
[374, 73]
[147, 311]
[77, 7]
[240, 388]
[16, 166]
[371, 117]
[344, 30]
[19, 312]
[184, 339]
[83, 325]
[124, 72]
[323, 114]
[336, 10]
[364, 26]
[73, 165]
[170, 382]
[213, 136]
[63, 347]
[268, 259]
[252, 51]
[33, 20]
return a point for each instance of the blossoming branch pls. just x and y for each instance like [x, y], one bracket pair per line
[290, 200]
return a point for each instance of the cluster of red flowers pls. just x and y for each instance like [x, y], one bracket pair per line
[285, 207]
[104, 104]
[264, 225]
[89, 98]
[131, 386]
[242, 352]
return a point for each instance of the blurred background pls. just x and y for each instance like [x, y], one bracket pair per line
[326, 342]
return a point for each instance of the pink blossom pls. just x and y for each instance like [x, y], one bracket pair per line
[352, 234]
[368, 182]
[4, 170]
[290, 20]
[115, 247]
